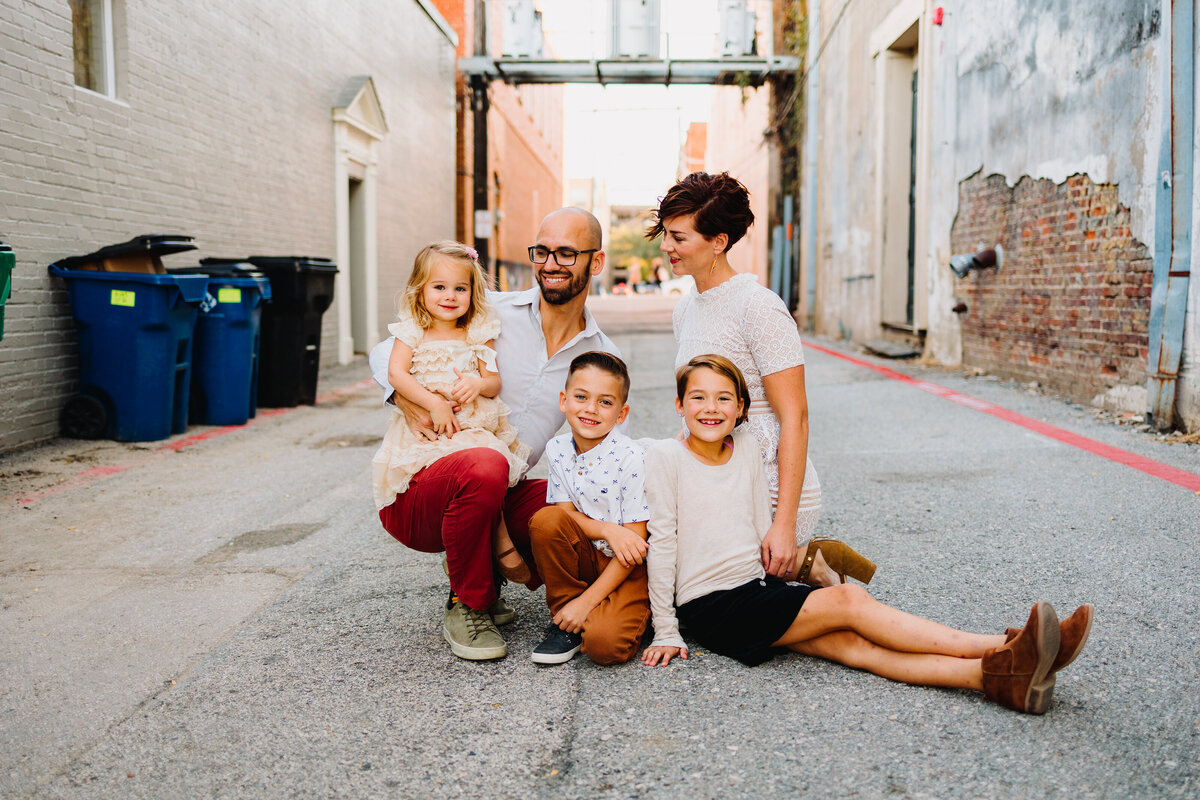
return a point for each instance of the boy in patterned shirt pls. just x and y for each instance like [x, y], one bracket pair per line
[590, 543]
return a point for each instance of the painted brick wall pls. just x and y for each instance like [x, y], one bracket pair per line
[221, 130]
[1070, 307]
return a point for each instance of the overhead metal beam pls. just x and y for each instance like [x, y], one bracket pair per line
[746, 71]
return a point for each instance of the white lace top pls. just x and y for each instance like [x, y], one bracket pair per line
[484, 420]
[750, 325]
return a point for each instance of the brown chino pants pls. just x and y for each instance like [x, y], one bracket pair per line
[569, 563]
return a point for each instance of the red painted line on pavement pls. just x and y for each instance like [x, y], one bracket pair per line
[1153, 468]
[345, 389]
[87, 476]
[213, 433]
[94, 474]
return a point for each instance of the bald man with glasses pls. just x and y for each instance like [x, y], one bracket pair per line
[453, 504]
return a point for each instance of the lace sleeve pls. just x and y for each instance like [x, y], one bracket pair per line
[483, 329]
[772, 334]
[406, 329]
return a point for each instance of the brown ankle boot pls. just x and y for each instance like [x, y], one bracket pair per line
[1017, 675]
[1072, 636]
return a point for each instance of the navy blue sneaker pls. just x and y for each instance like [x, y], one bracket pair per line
[558, 647]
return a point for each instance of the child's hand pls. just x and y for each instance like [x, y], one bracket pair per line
[444, 420]
[779, 551]
[652, 656]
[572, 616]
[628, 548]
[467, 388]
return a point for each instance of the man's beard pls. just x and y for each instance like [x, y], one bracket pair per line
[576, 285]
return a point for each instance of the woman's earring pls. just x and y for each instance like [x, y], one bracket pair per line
[713, 267]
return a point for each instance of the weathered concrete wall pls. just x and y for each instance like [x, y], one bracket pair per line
[1023, 89]
[1044, 89]
[221, 129]
[847, 300]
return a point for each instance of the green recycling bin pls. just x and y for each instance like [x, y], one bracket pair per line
[7, 262]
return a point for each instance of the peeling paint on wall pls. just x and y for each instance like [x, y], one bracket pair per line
[1070, 307]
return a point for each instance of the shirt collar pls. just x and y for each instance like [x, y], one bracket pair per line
[601, 451]
[528, 296]
[532, 297]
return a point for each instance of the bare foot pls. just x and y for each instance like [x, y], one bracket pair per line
[821, 573]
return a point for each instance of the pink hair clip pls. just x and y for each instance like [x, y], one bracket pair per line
[473, 253]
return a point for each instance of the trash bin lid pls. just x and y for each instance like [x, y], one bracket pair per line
[228, 275]
[152, 244]
[221, 261]
[4, 248]
[220, 268]
[192, 287]
[294, 263]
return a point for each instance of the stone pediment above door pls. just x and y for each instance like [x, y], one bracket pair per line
[358, 107]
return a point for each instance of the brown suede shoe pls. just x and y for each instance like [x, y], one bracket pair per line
[1017, 674]
[1072, 636]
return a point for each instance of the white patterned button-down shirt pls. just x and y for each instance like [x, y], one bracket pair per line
[607, 483]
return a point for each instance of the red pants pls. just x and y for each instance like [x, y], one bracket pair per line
[453, 505]
[569, 563]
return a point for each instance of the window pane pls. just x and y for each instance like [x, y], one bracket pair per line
[82, 24]
[92, 42]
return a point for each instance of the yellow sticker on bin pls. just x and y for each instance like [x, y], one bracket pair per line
[228, 294]
[121, 297]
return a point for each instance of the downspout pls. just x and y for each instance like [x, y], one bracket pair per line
[811, 139]
[479, 119]
[1173, 214]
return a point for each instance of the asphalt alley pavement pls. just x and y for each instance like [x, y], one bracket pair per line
[221, 615]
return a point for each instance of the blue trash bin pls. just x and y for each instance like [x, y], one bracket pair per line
[225, 352]
[135, 353]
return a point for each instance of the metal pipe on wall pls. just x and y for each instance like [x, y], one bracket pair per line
[1173, 213]
[479, 114]
[808, 204]
[787, 281]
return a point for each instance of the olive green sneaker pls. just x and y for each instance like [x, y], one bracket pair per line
[502, 613]
[471, 633]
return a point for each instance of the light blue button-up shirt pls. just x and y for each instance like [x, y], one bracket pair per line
[529, 380]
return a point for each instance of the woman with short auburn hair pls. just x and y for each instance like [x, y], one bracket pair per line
[699, 219]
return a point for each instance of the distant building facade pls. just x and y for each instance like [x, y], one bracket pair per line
[524, 142]
[266, 128]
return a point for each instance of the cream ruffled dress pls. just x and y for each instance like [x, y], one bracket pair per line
[484, 421]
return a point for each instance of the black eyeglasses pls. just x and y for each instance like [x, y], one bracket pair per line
[564, 257]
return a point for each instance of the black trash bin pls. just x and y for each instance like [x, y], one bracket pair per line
[290, 349]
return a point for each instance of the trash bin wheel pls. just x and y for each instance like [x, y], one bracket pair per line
[84, 417]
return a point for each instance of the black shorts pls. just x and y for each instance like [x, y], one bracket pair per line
[743, 622]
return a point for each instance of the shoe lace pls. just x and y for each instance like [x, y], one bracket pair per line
[477, 622]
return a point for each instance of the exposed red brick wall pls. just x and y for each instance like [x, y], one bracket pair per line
[1070, 307]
